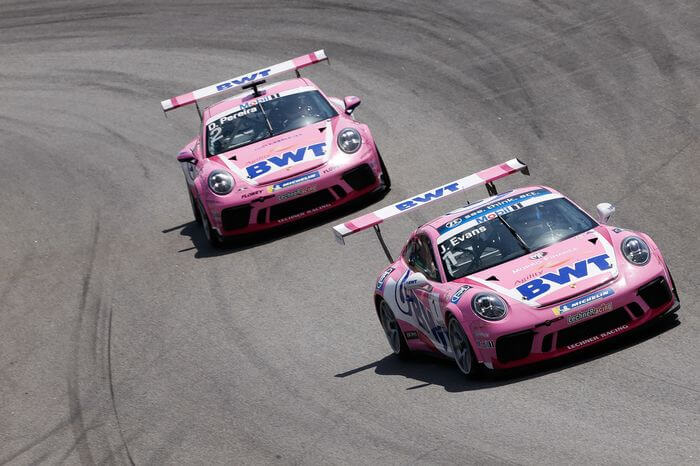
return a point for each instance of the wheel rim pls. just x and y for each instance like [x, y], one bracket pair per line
[460, 347]
[391, 328]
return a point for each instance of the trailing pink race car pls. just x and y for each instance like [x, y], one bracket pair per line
[275, 153]
[518, 277]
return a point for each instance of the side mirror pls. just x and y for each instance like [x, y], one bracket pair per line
[351, 103]
[417, 281]
[605, 211]
[186, 157]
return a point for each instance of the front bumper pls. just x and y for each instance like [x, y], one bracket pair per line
[323, 188]
[632, 305]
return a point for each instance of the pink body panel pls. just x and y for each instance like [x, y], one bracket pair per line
[609, 288]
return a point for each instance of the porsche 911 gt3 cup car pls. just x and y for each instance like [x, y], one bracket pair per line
[518, 277]
[275, 153]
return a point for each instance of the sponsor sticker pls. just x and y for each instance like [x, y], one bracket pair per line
[296, 193]
[597, 337]
[251, 194]
[582, 301]
[497, 206]
[308, 212]
[458, 294]
[278, 162]
[293, 181]
[427, 197]
[411, 335]
[600, 309]
[563, 276]
[244, 79]
[382, 278]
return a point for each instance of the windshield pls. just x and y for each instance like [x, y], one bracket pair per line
[492, 242]
[269, 116]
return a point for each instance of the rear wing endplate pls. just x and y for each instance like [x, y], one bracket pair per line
[372, 220]
[238, 82]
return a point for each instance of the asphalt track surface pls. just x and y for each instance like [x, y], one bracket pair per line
[124, 338]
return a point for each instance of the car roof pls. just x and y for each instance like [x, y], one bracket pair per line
[472, 206]
[238, 99]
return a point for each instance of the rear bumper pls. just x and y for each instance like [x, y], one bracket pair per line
[301, 196]
[630, 308]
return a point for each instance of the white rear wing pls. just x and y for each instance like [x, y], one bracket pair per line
[486, 177]
[238, 82]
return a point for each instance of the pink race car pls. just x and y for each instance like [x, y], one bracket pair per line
[275, 153]
[516, 278]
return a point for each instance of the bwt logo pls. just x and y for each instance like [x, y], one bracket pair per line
[538, 286]
[278, 162]
[244, 79]
[427, 197]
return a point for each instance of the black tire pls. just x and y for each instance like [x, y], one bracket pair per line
[462, 349]
[213, 236]
[385, 174]
[392, 330]
[195, 208]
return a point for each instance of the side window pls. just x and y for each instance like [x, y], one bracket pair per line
[420, 258]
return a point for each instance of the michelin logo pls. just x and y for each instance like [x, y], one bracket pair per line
[582, 301]
[293, 181]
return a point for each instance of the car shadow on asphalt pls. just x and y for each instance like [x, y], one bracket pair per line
[240, 243]
[433, 370]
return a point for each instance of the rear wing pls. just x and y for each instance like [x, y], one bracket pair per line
[239, 82]
[372, 220]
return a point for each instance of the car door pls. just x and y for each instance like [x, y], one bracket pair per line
[420, 258]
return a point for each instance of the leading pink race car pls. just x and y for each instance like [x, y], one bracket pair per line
[275, 153]
[516, 278]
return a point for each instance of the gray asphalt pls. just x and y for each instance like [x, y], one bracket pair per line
[125, 339]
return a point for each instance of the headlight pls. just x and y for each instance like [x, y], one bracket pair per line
[635, 250]
[220, 182]
[489, 306]
[349, 140]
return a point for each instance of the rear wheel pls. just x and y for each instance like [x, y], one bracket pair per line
[463, 353]
[213, 236]
[392, 331]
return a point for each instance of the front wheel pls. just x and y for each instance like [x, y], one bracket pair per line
[213, 236]
[392, 331]
[195, 208]
[385, 174]
[463, 354]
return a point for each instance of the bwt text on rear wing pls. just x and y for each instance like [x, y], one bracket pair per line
[245, 80]
[373, 219]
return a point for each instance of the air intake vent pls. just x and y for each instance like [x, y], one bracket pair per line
[655, 293]
[235, 217]
[514, 346]
[359, 177]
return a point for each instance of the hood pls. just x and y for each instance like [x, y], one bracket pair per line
[282, 156]
[555, 273]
